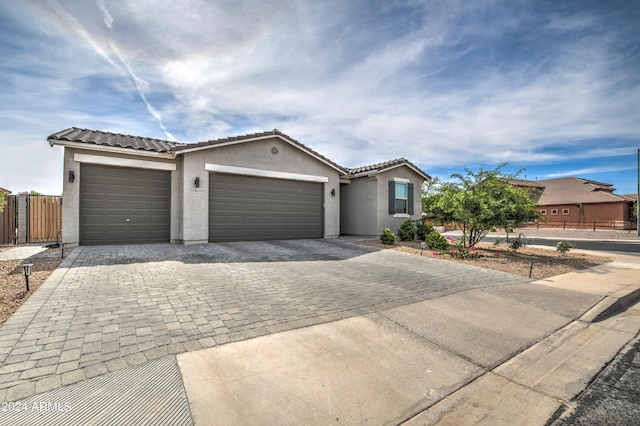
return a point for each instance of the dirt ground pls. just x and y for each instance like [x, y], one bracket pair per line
[13, 290]
[547, 262]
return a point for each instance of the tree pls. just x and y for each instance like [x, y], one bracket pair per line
[480, 202]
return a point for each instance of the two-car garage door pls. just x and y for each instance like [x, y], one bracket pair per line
[249, 208]
[121, 205]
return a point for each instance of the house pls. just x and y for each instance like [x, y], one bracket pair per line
[4, 191]
[122, 189]
[573, 201]
[380, 196]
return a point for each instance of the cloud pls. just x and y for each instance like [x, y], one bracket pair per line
[589, 171]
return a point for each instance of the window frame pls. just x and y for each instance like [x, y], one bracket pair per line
[405, 199]
[554, 212]
[565, 212]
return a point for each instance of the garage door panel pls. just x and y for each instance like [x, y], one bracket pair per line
[247, 208]
[111, 195]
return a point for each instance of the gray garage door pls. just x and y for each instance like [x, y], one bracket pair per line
[123, 205]
[246, 208]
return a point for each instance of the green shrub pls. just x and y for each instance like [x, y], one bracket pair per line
[563, 247]
[437, 242]
[518, 242]
[422, 230]
[388, 237]
[407, 231]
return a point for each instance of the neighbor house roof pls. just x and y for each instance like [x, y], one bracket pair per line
[114, 140]
[5, 191]
[572, 190]
[386, 165]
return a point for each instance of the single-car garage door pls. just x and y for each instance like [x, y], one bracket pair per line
[247, 208]
[121, 205]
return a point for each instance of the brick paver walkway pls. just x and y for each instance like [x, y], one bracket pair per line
[111, 307]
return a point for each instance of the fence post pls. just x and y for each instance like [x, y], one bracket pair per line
[564, 225]
[22, 209]
[594, 226]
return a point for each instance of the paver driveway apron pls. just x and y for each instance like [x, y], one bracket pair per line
[112, 307]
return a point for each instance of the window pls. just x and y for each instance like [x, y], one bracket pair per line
[543, 212]
[401, 198]
[554, 212]
[565, 212]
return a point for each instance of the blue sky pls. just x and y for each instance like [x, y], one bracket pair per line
[549, 86]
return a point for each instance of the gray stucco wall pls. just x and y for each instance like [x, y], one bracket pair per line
[252, 155]
[366, 202]
[359, 205]
[393, 222]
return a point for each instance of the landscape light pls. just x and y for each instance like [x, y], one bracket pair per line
[26, 269]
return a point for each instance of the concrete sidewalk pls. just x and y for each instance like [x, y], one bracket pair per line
[510, 354]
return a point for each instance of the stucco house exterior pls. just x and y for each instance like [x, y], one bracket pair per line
[122, 189]
[380, 196]
[573, 201]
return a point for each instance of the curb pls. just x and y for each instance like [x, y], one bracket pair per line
[613, 304]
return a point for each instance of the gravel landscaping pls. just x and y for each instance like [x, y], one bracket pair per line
[12, 283]
[547, 262]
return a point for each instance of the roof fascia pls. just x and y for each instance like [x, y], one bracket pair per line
[259, 138]
[112, 149]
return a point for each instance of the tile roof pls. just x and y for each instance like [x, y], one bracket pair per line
[96, 137]
[5, 191]
[570, 190]
[253, 136]
[378, 167]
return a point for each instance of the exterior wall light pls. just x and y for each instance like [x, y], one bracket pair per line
[333, 192]
[72, 176]
[26, 269]
[197, 182]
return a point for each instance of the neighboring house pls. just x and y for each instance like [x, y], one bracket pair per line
[380, 196]
[122, 189]
[577, 201]
[5, 191]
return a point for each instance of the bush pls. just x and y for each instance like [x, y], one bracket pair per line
[422, 230]
[437, 242]
[563, 247]
[388, 237]
[407, 231]
[519, 242]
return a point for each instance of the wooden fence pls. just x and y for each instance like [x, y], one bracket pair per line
[31, 219]
[8, 221]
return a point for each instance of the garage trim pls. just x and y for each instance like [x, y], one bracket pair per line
[122, 162]
[220, 168]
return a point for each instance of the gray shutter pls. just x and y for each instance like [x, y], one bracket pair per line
[392, 197]
[410, 198]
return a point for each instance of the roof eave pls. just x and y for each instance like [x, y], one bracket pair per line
[112, 149]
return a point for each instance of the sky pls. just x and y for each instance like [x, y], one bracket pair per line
[551, 87]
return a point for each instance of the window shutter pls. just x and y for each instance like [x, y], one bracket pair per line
[410, 198]
[392, 197]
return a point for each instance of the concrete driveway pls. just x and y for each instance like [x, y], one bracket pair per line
[112, 307]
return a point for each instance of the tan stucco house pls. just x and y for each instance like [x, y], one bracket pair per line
[122, 189]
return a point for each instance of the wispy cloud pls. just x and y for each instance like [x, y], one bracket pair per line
[447, 84]
[589, 171]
